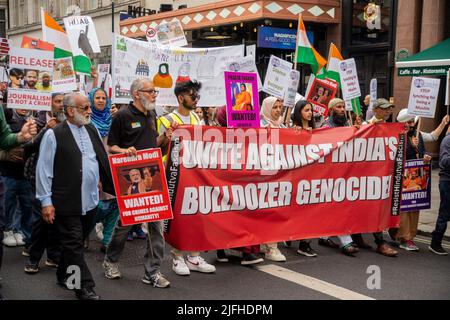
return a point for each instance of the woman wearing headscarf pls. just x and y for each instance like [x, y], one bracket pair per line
[271, 113]
[107, 210]
[271, 116]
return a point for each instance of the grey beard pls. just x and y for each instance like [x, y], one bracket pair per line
[60, 116]
[149, 106]
[80, 120]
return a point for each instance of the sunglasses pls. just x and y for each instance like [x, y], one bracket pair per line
[151, 91]
[194, 96]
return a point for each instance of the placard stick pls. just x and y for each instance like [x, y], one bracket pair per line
[350, 118]
[418, 127]
[287, 115]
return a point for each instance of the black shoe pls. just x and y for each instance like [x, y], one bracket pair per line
[437, 249]
[305, 249]
[86, 294]
[288, 243]
[103, 248]
[250, 258]
[221, 256]
[349, 250]
[31, 268]
[328, 243]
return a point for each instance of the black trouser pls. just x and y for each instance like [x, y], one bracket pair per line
[73, 229]
[379, 240]
[43, 236]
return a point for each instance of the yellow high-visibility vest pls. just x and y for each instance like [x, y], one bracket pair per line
[167, 120]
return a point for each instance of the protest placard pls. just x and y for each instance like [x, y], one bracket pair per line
[246, 64]
[170, 34]
[251, 51]
[133, 59]
[64, 79]
[292, 86]
[83, 41]
[447, 90]
[423, 97]
[103, 71]
[320, 93]
[141, 187]
[373, 92]
[277, 76]
[416, 189]
[349, 79]
[242, 100]
[30, 79]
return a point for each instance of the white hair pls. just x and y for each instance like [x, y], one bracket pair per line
[138, 84]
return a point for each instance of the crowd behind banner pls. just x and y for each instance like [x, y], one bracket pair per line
[75, 162]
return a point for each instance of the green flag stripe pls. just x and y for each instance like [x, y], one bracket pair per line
[82, 64]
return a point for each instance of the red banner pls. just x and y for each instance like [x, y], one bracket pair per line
[239, 187]
[140, 187]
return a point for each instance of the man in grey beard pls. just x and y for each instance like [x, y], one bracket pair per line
[134, 128]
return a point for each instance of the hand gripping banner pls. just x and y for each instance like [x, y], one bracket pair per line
[239, 187]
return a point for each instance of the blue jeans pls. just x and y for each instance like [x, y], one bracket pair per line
[444, 213]
[18, 193]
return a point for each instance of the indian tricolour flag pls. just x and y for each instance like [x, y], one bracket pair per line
[55, 34]
[305, 52]
[334, 57]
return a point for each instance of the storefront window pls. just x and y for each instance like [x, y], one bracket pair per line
[371, 21]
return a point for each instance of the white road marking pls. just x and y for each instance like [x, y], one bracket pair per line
[312, 283]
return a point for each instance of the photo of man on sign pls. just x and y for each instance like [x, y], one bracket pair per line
[139, 180]
[414, 180]
[320, 94]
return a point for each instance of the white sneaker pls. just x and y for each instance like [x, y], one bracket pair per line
[179, 266]
[99, 231]
[263, 248]
[111, 270]
[9, 240]
[274, 254]
[19, 239]
[199, 264]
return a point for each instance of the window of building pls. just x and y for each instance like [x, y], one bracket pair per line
[371, 22]
[2, 23]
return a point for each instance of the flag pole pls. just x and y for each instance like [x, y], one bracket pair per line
[289, 109]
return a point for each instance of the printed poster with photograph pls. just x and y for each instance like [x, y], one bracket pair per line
[242, 100]
[320, 93]
[141, 187]
[171, 34]
[416, 188]
[63, 74]
[30, 79]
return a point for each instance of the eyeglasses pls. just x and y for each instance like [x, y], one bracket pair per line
[194, 96]
[84, 108]
[150, 91]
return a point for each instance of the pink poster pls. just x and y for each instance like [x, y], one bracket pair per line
[242, 100]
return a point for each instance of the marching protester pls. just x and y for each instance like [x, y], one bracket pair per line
[249, 253]
[107, 211]
[187, 96]
[44, 236]
[302, 119]
[415, 149]
[134, 128]
[382, 110]
[10, 140]
[444, 192]
[72, 167]
[337, 118]
[271, 109]
[18, 190]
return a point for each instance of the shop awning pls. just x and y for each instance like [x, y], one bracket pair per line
[434, 61]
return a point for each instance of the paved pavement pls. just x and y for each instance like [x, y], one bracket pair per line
[427, 218]
[330, 276]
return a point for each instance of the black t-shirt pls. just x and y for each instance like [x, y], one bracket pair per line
[132, 128]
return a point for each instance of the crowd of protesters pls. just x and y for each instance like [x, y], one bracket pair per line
[56, 186]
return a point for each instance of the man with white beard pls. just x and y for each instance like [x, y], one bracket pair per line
[134, 128]
[72, 165]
